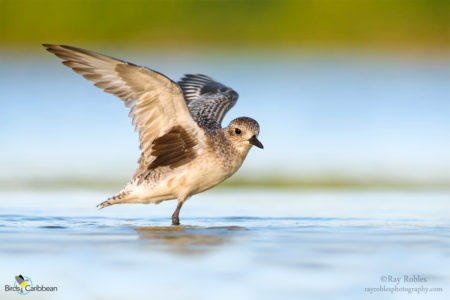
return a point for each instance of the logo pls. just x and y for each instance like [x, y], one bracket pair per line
[22, 282]
[23, 285]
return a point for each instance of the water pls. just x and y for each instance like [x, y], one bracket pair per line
[342, 115]
[243, 244]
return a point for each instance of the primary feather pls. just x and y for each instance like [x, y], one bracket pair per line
[207, 100]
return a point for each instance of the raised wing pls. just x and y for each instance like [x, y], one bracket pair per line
[207, 100]
[167, 133]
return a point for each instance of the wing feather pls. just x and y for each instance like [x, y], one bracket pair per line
[207, 100]
[156, 103]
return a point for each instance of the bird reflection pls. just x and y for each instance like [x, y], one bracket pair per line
[189, 239]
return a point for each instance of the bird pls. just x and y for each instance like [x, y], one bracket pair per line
[184, 148]
[21, 281]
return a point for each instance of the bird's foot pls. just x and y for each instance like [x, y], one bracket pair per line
[175, 220]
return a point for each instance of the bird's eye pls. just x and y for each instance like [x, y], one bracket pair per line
[237, 130]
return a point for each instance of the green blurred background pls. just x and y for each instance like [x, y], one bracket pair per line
[419, 25]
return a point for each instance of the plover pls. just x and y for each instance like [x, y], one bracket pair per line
[185, 150]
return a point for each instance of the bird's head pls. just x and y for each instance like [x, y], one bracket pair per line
[243, 133]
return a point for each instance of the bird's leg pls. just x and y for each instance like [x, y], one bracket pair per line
[175, 219]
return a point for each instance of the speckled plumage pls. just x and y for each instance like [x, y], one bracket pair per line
[185, 150]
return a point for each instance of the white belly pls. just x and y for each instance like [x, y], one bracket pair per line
[199, 175]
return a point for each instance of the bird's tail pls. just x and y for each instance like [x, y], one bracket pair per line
[122, 197]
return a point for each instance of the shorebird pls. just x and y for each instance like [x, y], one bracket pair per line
[184, 149]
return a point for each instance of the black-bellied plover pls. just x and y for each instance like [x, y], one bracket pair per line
[185, 150]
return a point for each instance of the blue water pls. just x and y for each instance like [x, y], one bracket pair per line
[244, 244]
[342, 115]
[363, 117]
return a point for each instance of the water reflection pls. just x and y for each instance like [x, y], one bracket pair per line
[189, 239]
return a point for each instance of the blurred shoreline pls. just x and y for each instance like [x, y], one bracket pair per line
[239, 182]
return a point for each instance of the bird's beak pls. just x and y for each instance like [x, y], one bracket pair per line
[254, 141]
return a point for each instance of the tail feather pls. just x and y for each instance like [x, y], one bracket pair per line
[121, 197]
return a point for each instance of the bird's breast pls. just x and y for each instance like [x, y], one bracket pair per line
[207, 171]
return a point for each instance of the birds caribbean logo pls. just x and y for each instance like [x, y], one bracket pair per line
[22, 282]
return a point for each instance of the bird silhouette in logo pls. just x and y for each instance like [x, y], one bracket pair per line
[21, 281]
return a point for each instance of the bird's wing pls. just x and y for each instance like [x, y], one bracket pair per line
[168, 135]
[207, 100]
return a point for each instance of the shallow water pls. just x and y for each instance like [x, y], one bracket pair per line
[231, 245]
